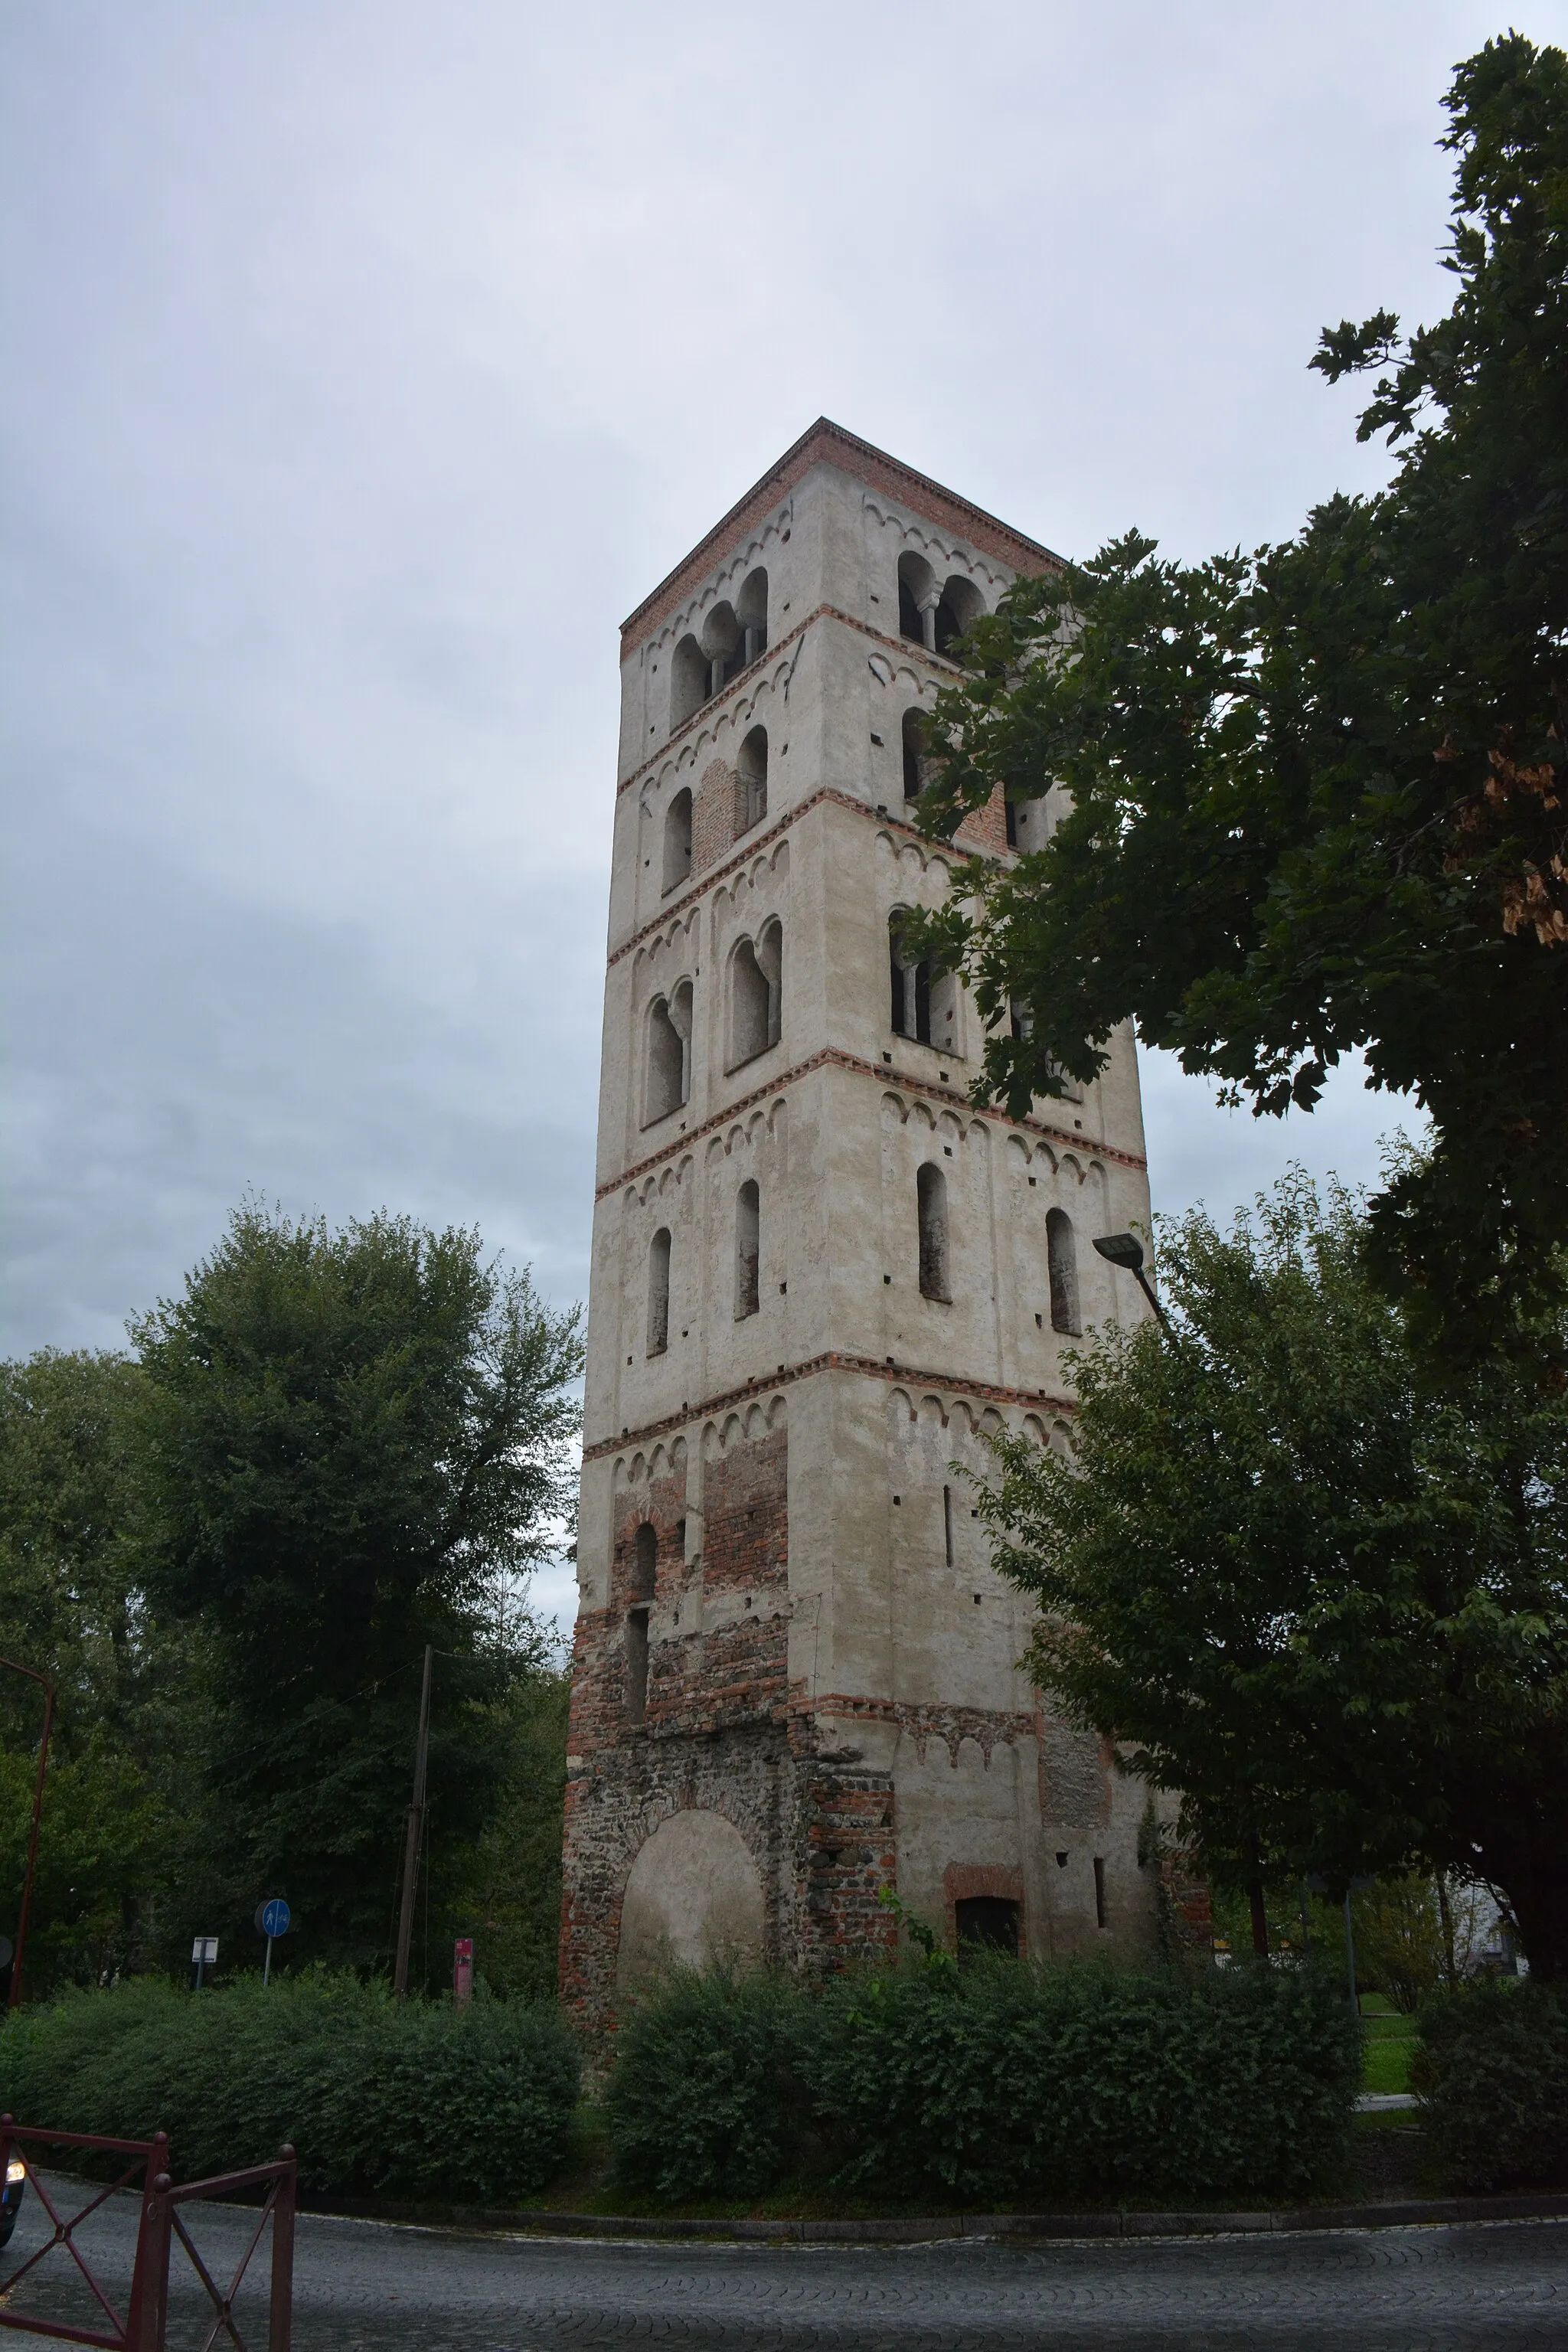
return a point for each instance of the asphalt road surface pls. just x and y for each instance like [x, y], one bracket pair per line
[369, 2287]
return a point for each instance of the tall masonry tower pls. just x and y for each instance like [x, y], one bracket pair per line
[819, 1276]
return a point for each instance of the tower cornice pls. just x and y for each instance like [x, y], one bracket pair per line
[831, 1360]
[889, 1075]
[829, 442]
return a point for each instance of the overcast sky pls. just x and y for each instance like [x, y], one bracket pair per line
[364, 365]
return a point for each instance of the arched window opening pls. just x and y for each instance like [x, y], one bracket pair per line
[722, 647]
[752, 781]
[931, 1189]
[912, 984]
[677, 838]
[748, 1250]
[658, 1292]
[1062, 1256]
[947, 1526]
[688, 682]
[917, 600]
[645, 1561]
[925, 1000]
[987, 1923]
[914, 753]
[751, 615]
[669, 1053]
[636, 1664]
[958, 608]
[1010, 814]
[755, 994]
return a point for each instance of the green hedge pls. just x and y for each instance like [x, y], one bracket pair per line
[1001, 2082]
[417, 2099]
[1491, 2073]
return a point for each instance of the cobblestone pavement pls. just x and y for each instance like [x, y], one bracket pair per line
[369, 2287]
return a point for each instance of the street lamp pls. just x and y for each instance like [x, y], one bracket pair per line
[33, 1676]
[1127, 1250]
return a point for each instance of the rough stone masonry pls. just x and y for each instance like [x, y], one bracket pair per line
[820, 1278]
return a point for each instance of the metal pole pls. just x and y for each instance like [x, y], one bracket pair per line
[1147, 1287]
[267, 1964]
[280, 2315]
[33, 1674]
[1350, 1954]
[411, 1842]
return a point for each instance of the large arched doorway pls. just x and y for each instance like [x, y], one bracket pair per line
[694, 1894]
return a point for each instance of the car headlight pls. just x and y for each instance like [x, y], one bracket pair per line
[15, 2171]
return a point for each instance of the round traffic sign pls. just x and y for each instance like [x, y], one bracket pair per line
[274, 1916]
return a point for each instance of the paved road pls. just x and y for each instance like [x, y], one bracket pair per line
[368, 2287]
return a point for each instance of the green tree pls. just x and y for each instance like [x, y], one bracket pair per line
[356, 1443]
[1322, 1599]
[128, 1696]
[1314, 800]
[503, 1887]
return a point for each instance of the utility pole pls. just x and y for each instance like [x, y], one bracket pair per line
[411, 1844]
[33, 1676]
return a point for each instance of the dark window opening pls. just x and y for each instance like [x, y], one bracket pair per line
[669, 1053]
[645, 1563]
[678, 839]
[947, 1523]
[752, 781]
[1011, 808]
[911, 988]
[914, 754]
[752, 617]
[1061, 1252]
[756, 972]
[1099, 1891]
[959, 607]
[931, 1189]
[987, 1923]
[911, 625]
[658, 1292]
[636, 1664]
[748, 1250]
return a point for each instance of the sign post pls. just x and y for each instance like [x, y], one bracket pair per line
[203, 1951]
[463, 1969]
[272, 1920]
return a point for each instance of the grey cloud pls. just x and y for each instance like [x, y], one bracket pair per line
[365, 363]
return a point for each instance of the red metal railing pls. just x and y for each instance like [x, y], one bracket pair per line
[144, 2327]
[164, 2224]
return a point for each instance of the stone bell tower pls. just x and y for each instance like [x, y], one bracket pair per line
[819, 1276]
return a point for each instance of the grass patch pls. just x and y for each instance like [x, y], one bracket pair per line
[1389, 2042]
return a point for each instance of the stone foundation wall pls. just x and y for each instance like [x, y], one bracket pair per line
[822, 1839]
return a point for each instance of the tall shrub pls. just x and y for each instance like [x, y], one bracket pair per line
[1086, 2081]
[707, 2098]
[1077, 2082]
[1491, 2073]
[417, 2099]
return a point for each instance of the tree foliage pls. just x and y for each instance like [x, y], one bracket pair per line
[1313, 799]
[129, 1699]
[355, 1443]
[1323, 1599]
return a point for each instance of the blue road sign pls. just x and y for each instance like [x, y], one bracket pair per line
[274, 1917]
